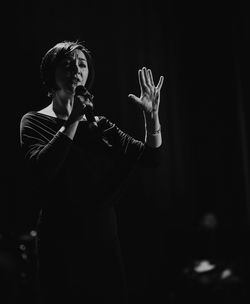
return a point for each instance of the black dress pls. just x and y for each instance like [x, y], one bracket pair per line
[75, 184]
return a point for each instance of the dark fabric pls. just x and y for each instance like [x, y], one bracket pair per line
[76, 184]
[83, 269]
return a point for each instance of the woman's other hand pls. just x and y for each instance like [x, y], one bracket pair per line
[149, 100]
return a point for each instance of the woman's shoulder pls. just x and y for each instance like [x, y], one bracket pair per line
[33, 119]
[39, 115]
[28, 116]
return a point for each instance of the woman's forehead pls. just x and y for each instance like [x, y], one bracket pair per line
[76, 54]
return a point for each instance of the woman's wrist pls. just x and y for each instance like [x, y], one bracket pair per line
[152, 123]
[154, 132]
[154, 140]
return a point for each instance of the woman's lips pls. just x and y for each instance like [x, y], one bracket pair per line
[76, 80]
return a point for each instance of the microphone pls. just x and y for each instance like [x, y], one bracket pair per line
[88, 111]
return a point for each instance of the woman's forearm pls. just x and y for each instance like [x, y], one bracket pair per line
[153, 136]
[69, 128]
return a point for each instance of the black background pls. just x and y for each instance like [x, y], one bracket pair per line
[201, 48]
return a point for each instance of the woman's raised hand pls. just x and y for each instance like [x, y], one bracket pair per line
[149, 100]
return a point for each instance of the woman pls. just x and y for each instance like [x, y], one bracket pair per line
[79, 168]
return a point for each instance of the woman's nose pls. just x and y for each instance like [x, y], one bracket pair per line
[75, 68]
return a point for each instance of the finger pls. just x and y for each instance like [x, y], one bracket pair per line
[140, 80]
[89, 103]
[150, 76]
[157, 97]
[135, 98]
[159, 85]
[83, 100]
[145, 78]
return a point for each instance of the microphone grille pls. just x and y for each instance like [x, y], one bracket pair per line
[80, 90]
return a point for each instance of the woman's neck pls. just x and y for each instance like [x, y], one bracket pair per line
[62, 107]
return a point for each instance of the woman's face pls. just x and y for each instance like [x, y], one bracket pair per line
[72, 71]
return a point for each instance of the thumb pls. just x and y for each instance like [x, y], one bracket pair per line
[135, 98]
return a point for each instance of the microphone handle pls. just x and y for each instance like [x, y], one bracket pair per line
[88, 111]
[90, 117]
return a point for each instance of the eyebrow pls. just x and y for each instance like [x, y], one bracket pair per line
[81, 58]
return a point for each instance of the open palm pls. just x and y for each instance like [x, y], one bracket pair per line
[149, 100]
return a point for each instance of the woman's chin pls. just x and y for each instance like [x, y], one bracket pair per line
[70, 88]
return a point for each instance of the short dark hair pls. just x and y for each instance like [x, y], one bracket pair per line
[51, 59]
